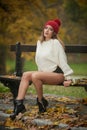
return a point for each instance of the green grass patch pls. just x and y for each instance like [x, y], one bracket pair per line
[79, 68]
[78, 92]
[3, 88]
[10, 66]
[29, 66]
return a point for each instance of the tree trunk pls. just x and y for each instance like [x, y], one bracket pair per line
[3, 50]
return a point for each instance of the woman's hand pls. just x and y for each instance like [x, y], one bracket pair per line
[67, 83]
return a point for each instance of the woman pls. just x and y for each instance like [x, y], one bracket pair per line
[52, 68]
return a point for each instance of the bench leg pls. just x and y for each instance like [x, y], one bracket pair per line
[13, 86]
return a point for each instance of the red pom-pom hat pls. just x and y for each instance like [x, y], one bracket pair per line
[55, 24]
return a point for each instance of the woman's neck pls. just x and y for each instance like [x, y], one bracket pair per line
[47, 39]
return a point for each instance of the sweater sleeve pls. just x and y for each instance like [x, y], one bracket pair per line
[62, 61]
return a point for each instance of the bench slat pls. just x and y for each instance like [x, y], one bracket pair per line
[68, 48]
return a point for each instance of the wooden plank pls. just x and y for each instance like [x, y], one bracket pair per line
[68, 48]
[76, 49]
[24, 48]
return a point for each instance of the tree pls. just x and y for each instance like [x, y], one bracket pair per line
[72, 10]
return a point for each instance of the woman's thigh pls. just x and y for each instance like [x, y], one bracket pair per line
[49, 77]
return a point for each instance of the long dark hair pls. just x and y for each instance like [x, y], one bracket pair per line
[54, 36]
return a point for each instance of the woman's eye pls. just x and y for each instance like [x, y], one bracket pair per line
[51, 29]
[48, 28]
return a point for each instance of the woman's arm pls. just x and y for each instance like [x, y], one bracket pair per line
[62, 62]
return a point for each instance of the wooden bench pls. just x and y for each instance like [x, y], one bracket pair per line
[13, 81]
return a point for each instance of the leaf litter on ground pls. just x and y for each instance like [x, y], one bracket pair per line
[70, 112]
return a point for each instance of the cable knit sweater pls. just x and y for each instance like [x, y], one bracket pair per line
[49, 55]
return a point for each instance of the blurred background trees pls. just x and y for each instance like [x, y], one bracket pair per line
[22, 20]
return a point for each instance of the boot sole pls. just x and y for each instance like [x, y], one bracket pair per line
[23, 111]
[14, 116]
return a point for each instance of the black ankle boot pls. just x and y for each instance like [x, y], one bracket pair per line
[14, 103]
[42, 105]
[18, 108]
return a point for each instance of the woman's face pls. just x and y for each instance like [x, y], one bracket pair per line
[48, 32]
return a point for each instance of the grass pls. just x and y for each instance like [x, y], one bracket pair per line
[61, 90]
[79, 69]
[3, 88]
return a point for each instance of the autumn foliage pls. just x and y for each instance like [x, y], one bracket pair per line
[23, 20]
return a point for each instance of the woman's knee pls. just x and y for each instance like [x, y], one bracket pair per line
[26, 76]
[36, 79]
[35, 76]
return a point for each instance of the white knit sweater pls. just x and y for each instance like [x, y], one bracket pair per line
[49, 55]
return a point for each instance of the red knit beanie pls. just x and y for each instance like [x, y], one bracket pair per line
[55, 24]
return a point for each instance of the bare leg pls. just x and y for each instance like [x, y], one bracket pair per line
[38, 85]
[24, 84]
[40, 78]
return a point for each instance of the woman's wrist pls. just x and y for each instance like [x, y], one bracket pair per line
[68, 78]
